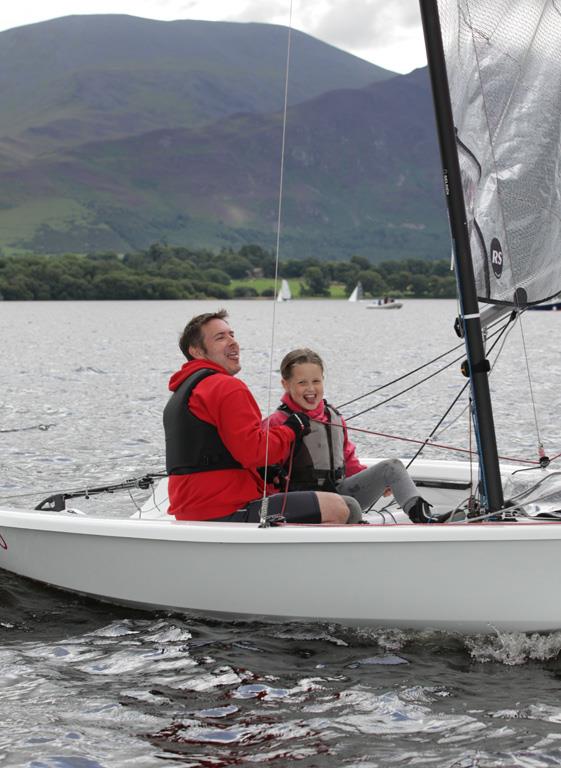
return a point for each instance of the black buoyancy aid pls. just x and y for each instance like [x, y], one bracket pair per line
[192, 445]
[319, 462]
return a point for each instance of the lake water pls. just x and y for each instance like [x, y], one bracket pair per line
[87, 685]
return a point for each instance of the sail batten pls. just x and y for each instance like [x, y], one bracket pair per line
[503, 62]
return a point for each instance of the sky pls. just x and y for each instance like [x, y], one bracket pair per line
[385, 32]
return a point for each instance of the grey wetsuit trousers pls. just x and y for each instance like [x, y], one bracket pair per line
[368, 485]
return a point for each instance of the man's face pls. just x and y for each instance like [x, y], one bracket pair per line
[219, 345]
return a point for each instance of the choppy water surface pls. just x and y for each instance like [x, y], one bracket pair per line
[84, 684]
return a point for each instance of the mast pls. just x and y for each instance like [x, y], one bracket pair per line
[478, 364]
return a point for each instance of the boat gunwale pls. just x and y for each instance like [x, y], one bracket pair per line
[249, 533]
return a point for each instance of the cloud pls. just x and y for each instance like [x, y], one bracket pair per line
[370, 23]
[387, 33]
[266, 11]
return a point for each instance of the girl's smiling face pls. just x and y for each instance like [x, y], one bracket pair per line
[305, 385]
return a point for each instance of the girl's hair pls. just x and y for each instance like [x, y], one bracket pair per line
[296, 357]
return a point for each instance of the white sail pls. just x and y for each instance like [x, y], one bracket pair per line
[504, 73]
[357, 293]
[284, 293]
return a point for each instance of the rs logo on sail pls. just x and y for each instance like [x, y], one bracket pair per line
[496, 257]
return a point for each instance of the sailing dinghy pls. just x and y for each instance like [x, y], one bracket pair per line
[284, 294]
[496, 565]
[357, 293]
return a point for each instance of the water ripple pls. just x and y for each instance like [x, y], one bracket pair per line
[85, 684]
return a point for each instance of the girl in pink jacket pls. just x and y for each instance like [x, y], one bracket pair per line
[326, 458]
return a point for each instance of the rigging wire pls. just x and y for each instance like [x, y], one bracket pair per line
[470, 433]
[504, 331]
[541, 481]
[436, 445]
[403, 391]
[467, 406]
[400, 378]
[530, 386]
[499, 331]
[444, 415]
[155, 503]
[263, 513]
[135, 503]
[508, 330]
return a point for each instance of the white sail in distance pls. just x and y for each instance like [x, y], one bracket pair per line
[357, 293]
[284, 293]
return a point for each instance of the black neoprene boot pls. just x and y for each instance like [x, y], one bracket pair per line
[420, 512]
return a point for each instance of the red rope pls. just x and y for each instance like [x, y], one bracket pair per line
[287, 478]
[435, 445]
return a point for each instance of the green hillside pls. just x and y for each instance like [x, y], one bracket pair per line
[361, 176]
[81, 78]
[119, 132]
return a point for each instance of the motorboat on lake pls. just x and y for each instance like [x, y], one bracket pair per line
[385, 303]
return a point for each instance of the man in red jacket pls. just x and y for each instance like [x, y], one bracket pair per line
[215, 444]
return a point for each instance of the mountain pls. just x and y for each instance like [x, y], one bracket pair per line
[361, 165]
[83, 78]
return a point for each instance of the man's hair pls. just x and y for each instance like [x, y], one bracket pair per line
[296, 357]
[192, 335]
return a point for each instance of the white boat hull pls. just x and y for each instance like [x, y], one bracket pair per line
[465, 578]
[388, 305]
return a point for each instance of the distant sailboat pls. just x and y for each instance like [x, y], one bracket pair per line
[284, 294]
[357, 293]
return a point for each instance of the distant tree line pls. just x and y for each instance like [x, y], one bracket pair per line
[168, 272]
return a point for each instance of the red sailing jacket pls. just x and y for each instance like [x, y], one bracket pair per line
[226, 403]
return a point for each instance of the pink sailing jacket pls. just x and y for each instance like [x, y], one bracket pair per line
[352, 462]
